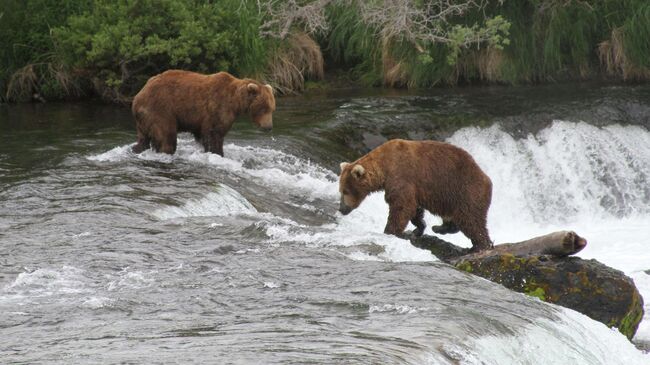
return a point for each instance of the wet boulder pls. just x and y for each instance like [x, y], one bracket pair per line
[587, 286]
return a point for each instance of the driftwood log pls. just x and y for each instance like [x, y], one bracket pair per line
[540, 267]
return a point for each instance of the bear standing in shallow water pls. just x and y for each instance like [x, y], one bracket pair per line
[436, 176]
[204, 105]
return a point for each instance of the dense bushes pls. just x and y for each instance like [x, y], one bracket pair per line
[120, 43]
[112, 47]
[26, 46]
[109, 48]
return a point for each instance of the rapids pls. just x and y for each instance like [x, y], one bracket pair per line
[111, 257]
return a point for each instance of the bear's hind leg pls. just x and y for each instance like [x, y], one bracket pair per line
[212, 141]
[418, 222]
[447, 227]
[477, 233]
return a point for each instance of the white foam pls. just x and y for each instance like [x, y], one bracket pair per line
[362, 256]
[131, 280]
[352, 232]
[275, 169]
[574, 339]
[224, 202]
[396, 308]
[97, 302]
[44, 282]
[113, 155]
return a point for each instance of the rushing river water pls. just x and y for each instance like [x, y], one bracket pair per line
[111, 257]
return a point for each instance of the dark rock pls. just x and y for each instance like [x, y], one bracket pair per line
[587, 286]
[442, 249]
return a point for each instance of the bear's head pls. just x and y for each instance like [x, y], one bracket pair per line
[353, 186]
[262, 105]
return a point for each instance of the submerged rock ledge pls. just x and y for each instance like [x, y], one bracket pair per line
[587, 286]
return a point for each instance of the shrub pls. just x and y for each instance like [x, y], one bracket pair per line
[119, 44]
[27, 48]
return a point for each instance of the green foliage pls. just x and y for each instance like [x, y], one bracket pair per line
[72, 47]
[124, 42]
[353, 44]
[566, 33]
[636, 30]
[495, 31]
[25, 33]
[528, 41]
[553, 40]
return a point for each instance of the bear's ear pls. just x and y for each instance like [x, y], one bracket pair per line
[270, 88]
[358, 171]
[252, 88]
[344, 165]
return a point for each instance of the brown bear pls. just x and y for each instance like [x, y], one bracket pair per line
[417, 175]
[204, 105]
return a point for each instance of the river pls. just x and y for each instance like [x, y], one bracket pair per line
[111, 257]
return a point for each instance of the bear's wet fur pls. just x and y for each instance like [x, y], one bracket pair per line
[204, 105]
[417, 175]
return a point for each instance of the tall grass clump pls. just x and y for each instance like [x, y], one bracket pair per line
[626, 53]
[637, 36]
[296, 59]
[566, 32]
[565, 40]
[351, 43]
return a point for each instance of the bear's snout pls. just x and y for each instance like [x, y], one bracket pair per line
[265, 122]
[343, 208]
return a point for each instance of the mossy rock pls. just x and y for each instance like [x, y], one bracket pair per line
[587, 286]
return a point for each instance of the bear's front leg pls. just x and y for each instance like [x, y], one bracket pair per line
[398, 218]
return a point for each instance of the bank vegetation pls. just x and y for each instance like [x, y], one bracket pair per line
[109, 48]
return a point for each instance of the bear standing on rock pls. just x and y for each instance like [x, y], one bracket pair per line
[204, 105]
[436, 176]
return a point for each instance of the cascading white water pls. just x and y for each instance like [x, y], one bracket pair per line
[225, 201]
[571, 176]
[567, 172]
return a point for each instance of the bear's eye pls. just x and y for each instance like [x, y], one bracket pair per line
[345, 192]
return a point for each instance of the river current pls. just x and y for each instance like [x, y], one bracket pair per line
[111, 257]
